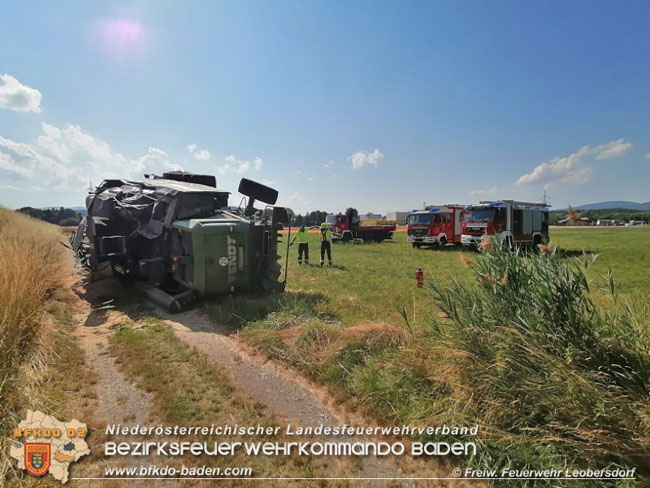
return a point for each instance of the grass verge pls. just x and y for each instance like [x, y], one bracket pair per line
[43, 367]
[31, 270]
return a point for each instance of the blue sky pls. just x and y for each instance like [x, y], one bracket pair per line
[377, 105]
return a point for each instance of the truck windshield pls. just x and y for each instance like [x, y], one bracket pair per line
[330, 219]
[479, 215]
[419, 219]
[198, 206]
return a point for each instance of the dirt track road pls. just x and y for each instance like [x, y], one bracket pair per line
[288, 396]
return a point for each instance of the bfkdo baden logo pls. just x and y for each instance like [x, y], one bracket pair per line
[37, 457]
[48, 445]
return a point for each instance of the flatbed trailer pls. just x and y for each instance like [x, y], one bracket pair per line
[347, 227]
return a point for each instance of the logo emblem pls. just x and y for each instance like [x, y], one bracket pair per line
[37, 457]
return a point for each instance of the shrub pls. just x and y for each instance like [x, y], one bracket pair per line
[544, 371]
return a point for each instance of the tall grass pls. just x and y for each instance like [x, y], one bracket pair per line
[526, 353]
[30, 267]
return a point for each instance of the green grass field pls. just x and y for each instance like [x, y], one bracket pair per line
[369, 279]
[363, 328]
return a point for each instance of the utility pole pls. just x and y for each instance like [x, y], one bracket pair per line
[545, 199]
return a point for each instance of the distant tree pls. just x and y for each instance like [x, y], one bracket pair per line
[69, 222]
[59, 216]
[316, 217]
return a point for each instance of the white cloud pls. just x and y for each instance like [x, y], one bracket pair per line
[297, 202]
[31, 161]
[200, 154]
[328, 164]
[18, 97]
[311, 178]
[155, 161]
[572, 169]
[9, 165]
[613, 150]
[239, 166]
[647, 156]
[361, 158]
[68, 158]
[9, 187]
[486, 191]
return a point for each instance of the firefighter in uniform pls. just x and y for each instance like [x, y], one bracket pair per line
[325, 243]
[303, 245]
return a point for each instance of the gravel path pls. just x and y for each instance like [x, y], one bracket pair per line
[286, 394]
[117, 400]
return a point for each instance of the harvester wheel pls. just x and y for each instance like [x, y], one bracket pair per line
[270, 281]
[257, 191]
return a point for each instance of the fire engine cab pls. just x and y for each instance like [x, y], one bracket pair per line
[515, 223]
[435, 225]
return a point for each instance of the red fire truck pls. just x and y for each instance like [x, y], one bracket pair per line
[346, 227]
[515, 223]
[435, 225]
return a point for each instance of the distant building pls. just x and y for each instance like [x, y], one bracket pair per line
[609, 222]
[580, 221]
[371, 216]
[397, 216]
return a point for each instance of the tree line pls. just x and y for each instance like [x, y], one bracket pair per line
[607, 214]
[59, 216]
[316, 217]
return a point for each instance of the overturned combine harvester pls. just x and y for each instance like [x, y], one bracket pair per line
[177, 233]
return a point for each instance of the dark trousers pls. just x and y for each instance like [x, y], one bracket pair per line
[303, 248]
[325, 246]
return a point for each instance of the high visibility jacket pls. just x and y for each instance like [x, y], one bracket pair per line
[302, 236]
[326, 236]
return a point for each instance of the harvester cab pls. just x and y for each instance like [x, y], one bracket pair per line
[177, 233]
